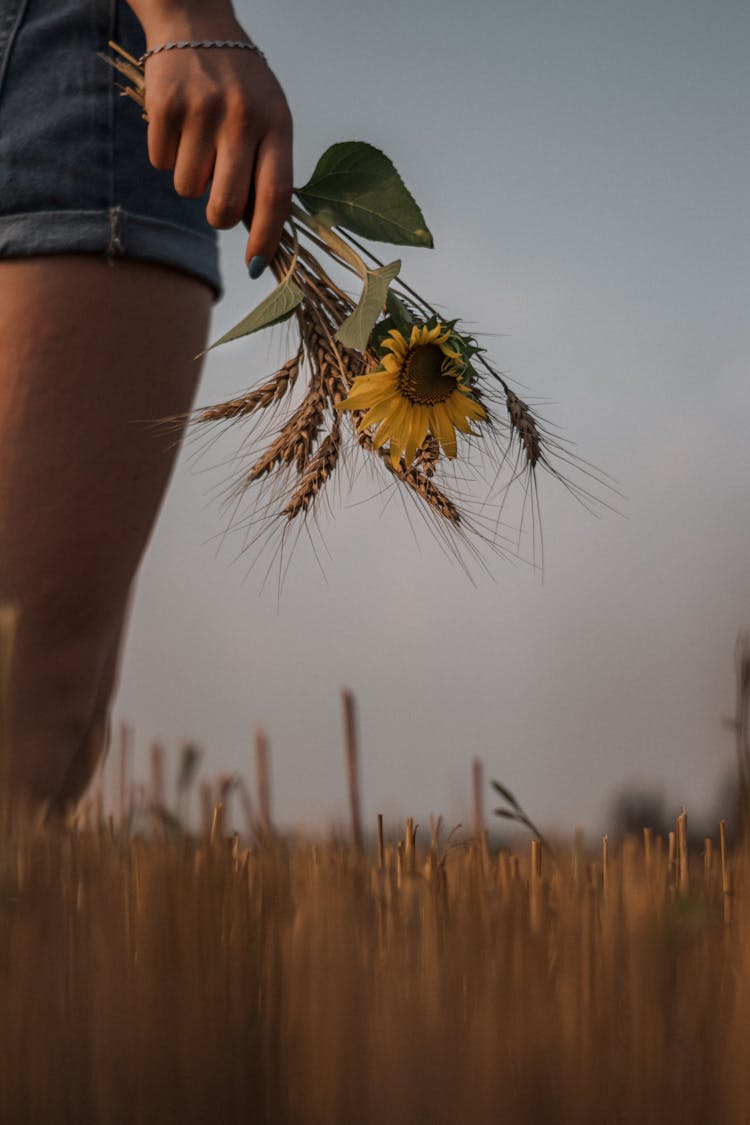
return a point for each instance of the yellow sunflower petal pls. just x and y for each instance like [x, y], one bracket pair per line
[395, 344]
[367, 390]
[392, 424]
[365, 385]
[401, 425]
[442, 428]
[373, 379]
[416, 335]
[471, 407]
[418, 426]
[373, 396]
[457, 414]
[379, 411]
[422, 424]
[381, 435]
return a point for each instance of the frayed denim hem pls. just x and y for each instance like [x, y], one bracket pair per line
[115, 233]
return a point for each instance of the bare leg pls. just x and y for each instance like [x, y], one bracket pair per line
[96, 740]
[89, 353]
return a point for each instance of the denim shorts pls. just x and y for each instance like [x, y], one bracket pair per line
[74, 170]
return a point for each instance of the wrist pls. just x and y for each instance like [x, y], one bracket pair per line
[186, 19]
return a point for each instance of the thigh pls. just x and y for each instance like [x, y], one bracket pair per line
[91, 353]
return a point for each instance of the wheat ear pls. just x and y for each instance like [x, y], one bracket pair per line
[318, 472]
[415, 480]
[523, 422]
[259, 399]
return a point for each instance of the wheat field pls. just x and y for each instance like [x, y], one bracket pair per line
[151, 974]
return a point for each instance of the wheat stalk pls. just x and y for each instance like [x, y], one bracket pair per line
[260, 399]
[130, 69]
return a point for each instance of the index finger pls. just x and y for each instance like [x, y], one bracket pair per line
[273, 196]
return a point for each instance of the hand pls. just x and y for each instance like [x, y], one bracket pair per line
[220, 115]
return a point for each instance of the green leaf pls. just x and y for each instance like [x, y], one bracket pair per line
[357, 187]
[470, 375]
[275, 308]
[402, 318]
[505, 792]
[380, 332]
[356, 329]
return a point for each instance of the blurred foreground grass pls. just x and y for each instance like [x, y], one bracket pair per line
[152, 976]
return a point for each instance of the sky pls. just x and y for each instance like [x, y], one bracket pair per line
[584, 168]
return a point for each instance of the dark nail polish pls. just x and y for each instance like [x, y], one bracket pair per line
[256, 267]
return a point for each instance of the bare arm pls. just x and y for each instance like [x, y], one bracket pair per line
[219, 115]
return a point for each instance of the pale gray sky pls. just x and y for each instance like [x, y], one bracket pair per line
[584, 168]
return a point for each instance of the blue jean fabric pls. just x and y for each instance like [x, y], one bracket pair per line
[74, 170]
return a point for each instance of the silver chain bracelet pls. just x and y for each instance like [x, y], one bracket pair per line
[242, 45]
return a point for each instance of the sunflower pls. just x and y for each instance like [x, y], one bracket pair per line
[417, 391]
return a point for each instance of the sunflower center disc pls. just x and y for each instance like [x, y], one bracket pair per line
[426, 377]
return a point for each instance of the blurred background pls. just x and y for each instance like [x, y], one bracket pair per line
[584, 169]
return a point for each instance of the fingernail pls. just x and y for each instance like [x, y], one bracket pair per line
[256, 267]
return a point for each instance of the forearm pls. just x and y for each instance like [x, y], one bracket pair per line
[187, 19]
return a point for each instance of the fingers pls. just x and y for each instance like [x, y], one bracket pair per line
[223, 119]
[182, 139]
[232, 182]
[273, 195]
[195, 163]
[163, 141]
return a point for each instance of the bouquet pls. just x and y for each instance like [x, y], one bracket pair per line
[380, 372]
